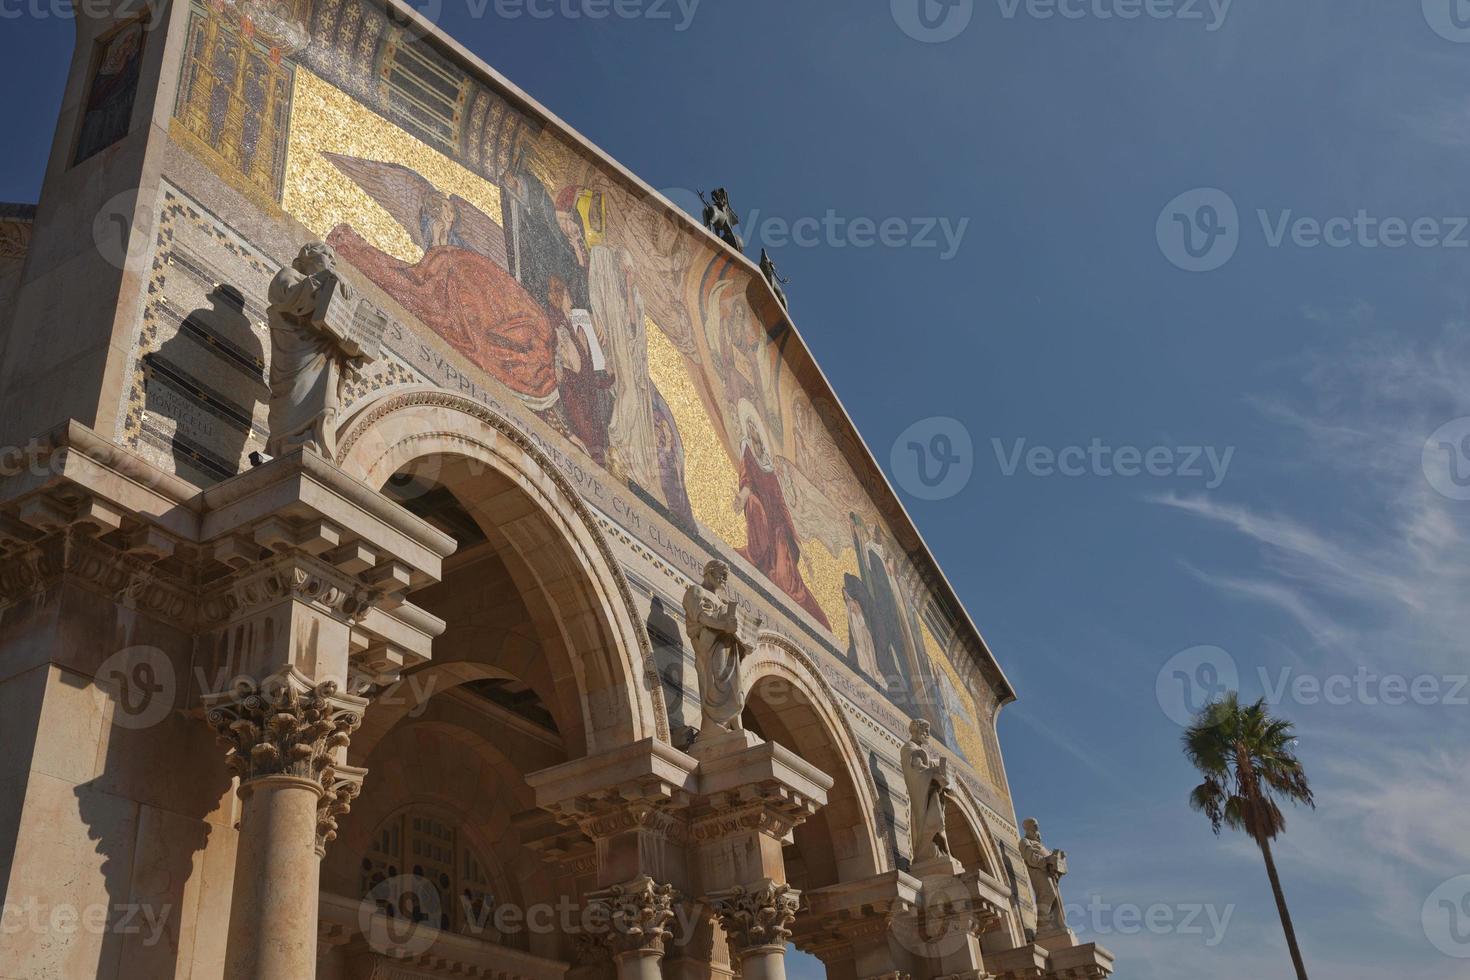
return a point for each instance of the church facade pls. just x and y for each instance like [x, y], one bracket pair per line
[427, 552]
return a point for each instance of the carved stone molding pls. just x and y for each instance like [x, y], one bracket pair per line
[769, 808]
[341, 784]
[289, 727]
[756, 916]
[75, 554]
[290, 576]
[635, 915]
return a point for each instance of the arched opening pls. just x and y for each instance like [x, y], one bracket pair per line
[541, 663]
[789, 704]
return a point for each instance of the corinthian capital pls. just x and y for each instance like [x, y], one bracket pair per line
[286, 726]
[636, 915]
[756, 915]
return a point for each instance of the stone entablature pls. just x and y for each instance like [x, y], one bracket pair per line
[88, 514]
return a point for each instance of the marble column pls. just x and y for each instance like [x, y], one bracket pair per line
[287, 740]
[635, 917]
[757, 920]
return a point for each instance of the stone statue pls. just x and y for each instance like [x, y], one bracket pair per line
[720, 218]
[926, 774]
[768, 268]
[722, 637]
[314, 336]
[1045, 869]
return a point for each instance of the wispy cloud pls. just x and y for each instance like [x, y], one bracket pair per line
[1376, 567]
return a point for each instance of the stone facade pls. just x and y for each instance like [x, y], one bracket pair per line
[419, 700]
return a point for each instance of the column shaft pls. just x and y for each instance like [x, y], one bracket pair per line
[273, 911]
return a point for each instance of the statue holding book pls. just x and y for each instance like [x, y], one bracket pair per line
[319, 329]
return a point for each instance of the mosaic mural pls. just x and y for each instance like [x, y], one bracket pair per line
[108, 110]
[561, 288]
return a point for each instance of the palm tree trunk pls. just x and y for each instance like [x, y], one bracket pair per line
[1296, 954]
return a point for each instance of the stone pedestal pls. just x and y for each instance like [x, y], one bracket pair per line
[1080, 961]
[751, 795]
[855, 929]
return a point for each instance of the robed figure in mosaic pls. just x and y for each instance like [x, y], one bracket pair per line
[307, 357]
[926, 776]
[722, 638]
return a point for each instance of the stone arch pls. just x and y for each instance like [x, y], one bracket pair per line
[970, 838]
[782, 679]
[546, 535]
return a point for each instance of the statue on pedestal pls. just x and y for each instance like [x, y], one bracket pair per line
[316, 332]
[1045, 869]
[720, 218]
[722, 637]
[768, 269]
[926, 774]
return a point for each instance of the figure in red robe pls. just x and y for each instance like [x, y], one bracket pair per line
[473, 303]
[771, 543]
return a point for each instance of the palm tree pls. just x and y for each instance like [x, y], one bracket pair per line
[1247, 759]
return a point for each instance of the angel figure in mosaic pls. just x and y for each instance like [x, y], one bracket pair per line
[463, 288]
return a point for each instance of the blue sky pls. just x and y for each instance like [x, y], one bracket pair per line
[1062, 319]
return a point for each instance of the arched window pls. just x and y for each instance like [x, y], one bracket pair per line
[439, 857]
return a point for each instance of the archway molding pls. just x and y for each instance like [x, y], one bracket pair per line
[556, 550]
[777, 658]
